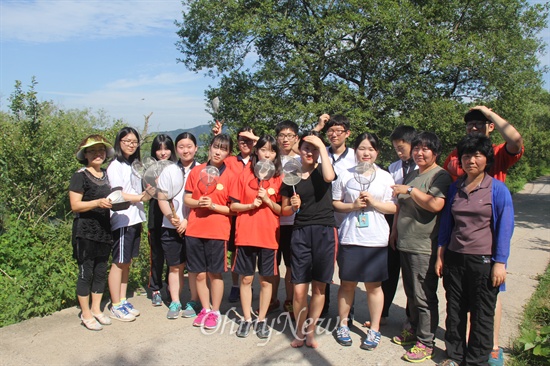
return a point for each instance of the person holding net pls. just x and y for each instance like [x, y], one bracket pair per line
[125, 224]
[207, 195]
[364, 193]
[255, 197]
[186, 149]
[92, 239]
[162, 148]
[314, 235]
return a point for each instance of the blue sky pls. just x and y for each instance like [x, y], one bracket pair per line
[118, 56]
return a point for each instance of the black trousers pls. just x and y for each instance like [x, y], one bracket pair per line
[156, 260]
[468, 288]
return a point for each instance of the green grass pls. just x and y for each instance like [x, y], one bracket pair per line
[532, 347]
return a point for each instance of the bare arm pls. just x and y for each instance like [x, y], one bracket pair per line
[77, 205]
[323, 119]
[424, 200]
[514, 141]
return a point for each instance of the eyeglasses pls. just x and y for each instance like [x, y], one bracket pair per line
[130, 142]
[335, 132]
[476, 124]
[289, 136]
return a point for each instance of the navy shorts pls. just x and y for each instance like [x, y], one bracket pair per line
[126, 242]
[173, 246]
[246, 258]
[362, 264]
[314, 249]
[285, 238]
[206, 255]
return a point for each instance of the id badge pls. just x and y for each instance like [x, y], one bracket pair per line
[362, 220]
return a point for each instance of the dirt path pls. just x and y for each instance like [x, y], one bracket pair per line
[59, 339]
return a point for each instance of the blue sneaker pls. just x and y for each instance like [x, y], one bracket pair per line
[156, 299]
[191, 310]
[372, 341]
[130, 308]
[342, 336]
[497, 357]
[174, 310]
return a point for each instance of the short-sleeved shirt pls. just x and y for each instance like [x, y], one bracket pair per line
[121, 178]
[203, 222]
[94, 224]
[164, 180]
[503, 161]
[258, 227]
[341, 163]
[316, 197]
[417, 228]
[346, 189]
[472, 214]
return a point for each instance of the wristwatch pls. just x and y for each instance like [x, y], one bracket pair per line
[213, 206]
[410, 189]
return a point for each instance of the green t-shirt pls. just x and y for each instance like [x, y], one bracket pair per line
[417, 228]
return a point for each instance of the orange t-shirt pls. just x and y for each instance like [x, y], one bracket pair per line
[203, 222]
[258, 227]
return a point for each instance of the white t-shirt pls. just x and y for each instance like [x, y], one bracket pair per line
[346, 189]
[166, 181]
[396, 171]
[344, 162]
[121, 176]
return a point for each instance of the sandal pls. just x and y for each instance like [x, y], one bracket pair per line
[102, 319]
[91, 324]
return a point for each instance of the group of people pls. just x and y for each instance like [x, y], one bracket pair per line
[344, 209]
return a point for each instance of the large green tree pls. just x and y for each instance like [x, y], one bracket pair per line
[379, 62]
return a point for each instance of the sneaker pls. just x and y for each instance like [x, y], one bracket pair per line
[235, 294]
[419, 353]
[122, 314]
[342, 336]
[190, 310]
[174, 310]
[289, 308]
[212, 320]
[200, 318]
[130, 308]
[497, 357]
[244, 329]
[156, 299]
[91, 324]
[102, 319]
[273, 306]
[262, 330]
[407, 337]
[449, 362]
[372, 341]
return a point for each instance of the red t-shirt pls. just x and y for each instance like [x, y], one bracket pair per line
[203, 222]
[503, 161]
[258, 227]
[235, 163]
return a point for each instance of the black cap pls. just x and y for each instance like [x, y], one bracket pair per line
[475, 115]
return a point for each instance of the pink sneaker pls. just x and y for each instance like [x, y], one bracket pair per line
[212, 320]
[199, 320]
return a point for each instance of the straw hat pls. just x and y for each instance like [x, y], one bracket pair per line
[91, 141]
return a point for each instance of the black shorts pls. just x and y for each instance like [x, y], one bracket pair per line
[314, 249]
[173, 246]
[246, 258]
[206, 255]
[362, 264]
[285, 238]
[126, 242]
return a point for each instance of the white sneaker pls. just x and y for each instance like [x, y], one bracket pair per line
[122, 314]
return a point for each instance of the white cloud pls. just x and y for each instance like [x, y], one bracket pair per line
[160, 80]
[61, 20]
